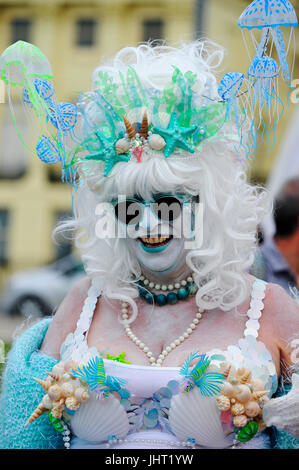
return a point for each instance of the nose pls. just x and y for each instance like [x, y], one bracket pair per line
[148, 221]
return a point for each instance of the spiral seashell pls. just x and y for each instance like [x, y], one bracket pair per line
[245, 377]
[47, 402]
[223, 403]
[36, 413]
[55, 392]
[225, 368]
[238, 409]
[243, 393]
[81, 394]
[252, 409]
[144, 126]
[259, 394]
[72, 403]
[58, 408]
[67, 389]
[44, 383]
[240, 421]
[122, 146]
[156, 142]
[130, 129]
[257, 385]
[227, 389]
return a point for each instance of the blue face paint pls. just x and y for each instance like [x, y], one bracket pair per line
[155, 249]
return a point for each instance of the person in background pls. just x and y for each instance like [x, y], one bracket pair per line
[277, 260]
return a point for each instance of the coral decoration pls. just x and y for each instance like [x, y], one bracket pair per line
[244, 398]
[62, 392]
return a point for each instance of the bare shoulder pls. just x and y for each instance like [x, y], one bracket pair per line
[65, 318]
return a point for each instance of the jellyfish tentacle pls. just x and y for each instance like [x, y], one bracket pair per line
[278, 39]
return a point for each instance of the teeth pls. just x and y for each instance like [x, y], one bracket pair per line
[154, 240]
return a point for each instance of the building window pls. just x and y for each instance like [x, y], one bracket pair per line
[86, 32]
[4, 221]
[13, 154]
[65, 239]
[21, 30]
[153, 30]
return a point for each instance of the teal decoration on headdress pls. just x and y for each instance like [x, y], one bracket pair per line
[176, 136]
[107, 153]
[184, 118]
[207, 382]
[94, 375]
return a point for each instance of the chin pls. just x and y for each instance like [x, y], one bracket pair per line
[157, 255]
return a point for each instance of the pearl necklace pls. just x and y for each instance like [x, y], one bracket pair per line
[168, 349]
[170, 287]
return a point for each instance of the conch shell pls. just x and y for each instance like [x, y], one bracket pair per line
[62, 391]
[130, 129]
[36, 413]
[244, 375]
[46, 384]
[144, 126]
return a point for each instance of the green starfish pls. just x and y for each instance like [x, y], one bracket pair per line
[176, 135]
[107, 153]
[120, 358]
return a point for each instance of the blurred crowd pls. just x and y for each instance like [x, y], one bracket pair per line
[277, 259]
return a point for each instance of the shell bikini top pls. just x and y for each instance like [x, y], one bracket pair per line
[153, 397]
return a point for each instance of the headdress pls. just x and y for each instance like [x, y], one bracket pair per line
[122, 120]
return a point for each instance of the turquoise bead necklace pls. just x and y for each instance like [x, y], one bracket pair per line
[180, 290]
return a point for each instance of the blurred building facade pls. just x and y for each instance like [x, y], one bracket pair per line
[75, 35]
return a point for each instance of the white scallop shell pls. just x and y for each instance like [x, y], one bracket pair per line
[97, 419]
[194, 416]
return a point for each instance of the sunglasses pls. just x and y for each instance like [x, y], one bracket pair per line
[165, 207]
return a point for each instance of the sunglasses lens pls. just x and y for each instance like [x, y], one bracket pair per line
[167, 208]
[128, 212]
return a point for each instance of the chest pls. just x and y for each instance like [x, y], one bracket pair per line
[158, 327]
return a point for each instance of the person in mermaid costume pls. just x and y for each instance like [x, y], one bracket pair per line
[167, 342]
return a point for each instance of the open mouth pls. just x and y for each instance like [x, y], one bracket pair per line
[155, 241]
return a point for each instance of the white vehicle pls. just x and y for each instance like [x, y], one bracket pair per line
[39, 291]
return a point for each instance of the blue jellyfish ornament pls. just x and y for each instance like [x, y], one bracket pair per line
[263, 73]
[228, 90]
[265, 18]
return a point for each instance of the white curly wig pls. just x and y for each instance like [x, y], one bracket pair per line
[232, 207]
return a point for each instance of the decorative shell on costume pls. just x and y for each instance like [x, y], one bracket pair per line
[245, 395]
[156, 142]
[62, 391]
[122, 146]
[189, 409]
[100, 419]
